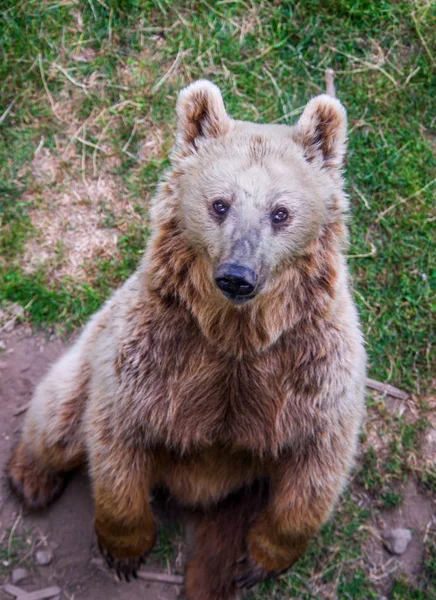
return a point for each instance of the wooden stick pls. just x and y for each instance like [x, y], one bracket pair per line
[21, 594]
[21, 409]
[386, 388]
[161, 577]
[330, 82]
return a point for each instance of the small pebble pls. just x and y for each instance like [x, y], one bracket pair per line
[43, 557]
[18, 575]
[397, 540]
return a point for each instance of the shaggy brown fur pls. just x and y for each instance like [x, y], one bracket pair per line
[247, 414]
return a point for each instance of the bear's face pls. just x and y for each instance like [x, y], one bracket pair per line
[252, 197]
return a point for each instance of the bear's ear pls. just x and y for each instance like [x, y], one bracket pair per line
[201, 114]
[322, 132]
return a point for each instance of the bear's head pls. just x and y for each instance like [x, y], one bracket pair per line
[253, 198]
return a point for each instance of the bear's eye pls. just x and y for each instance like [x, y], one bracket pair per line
[280, 215]
[220, 207]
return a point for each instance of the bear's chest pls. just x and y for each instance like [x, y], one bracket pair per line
[189, 395]
[234, 402]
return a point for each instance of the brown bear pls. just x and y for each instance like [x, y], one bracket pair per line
[229, 369]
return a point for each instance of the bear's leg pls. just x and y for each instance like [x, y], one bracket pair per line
[303, 491]
[219, 545]
[52, 442]
[121, 473]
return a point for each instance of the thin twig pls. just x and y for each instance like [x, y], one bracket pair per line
[170, 71]
[70, 78]
[161, 577]
[93, 10]
[361, 196]
[21, 409]
[11, 534]
[368, 64]
[129, 141]
[127, 144]
[330, 82]
[85, 183]
[410, 75]
[47, 91]
[7, 111]
[363, 299]
[260, 55]
[421, 37]
[39, 146]
[277, 88]
[366, 255]
[100, 137]
[292, 113]
[90, 144]
[75, 135]
[404, 200]
[386, 388]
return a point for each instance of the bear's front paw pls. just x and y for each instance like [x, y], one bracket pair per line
[124, 548]
[124, 567]
[269, 555]
[34, 484]
[253, 573]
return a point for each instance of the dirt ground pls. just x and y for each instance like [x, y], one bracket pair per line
[415, 514]
[65, 529]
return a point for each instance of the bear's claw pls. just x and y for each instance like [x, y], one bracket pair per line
[251, 578]
[254, 574]
[124, 567]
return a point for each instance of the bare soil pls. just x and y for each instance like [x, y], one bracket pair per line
[66, 528]
[416, 513]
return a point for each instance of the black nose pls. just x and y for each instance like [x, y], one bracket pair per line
[236, 280]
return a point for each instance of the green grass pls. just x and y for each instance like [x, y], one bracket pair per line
[15, 550]
[127, 61]
[46, 305]
[165, 548]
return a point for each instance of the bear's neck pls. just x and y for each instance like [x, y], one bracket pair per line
[303, 294]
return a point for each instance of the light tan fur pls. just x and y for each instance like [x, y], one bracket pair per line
[247, 413]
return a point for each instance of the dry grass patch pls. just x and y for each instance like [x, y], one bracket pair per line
[77, 192]
[398, 441]
[77, 218]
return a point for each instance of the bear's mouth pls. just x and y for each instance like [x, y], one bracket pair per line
[235, 299]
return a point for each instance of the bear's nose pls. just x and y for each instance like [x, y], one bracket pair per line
[236, 280]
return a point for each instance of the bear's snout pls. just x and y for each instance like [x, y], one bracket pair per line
[237, 282]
